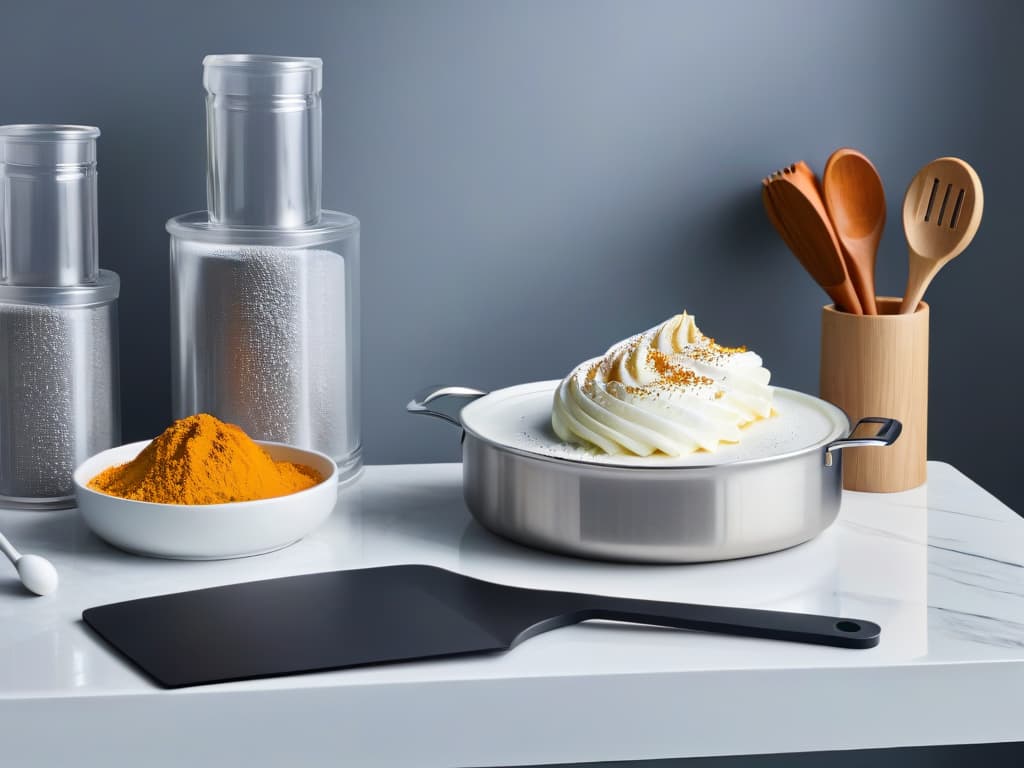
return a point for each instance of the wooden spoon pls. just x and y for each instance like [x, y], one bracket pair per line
[941, 214]
[798, 213]
[855, 201]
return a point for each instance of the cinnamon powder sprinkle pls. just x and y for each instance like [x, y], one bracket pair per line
[675, 374]
[724, 349]
[713, 352]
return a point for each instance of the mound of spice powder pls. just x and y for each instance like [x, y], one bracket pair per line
[203, 460]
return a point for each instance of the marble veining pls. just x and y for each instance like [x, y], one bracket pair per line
[975, 554]
[974, 582]
[881, 532]
[963, 513]
[978, 628]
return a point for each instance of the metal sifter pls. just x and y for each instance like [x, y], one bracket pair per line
[264, 284]
[59, 399]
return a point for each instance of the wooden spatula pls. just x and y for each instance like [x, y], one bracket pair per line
[941, 214]
[793, 202]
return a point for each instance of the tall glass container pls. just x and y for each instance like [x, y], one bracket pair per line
[265, 284]
[59, 398]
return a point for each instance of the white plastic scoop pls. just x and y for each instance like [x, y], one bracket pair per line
[36, 573]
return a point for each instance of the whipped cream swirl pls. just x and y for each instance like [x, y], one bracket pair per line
[670, 389]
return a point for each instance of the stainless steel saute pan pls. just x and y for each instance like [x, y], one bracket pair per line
[780, 486]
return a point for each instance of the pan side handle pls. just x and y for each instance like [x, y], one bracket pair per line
[443, 402]
[888, 431]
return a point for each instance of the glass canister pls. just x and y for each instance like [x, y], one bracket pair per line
[265, 284]
[59, 395]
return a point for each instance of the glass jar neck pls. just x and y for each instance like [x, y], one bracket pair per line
[48, 210]
[264, 140]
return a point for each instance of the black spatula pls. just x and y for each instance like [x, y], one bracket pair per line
[396, 613]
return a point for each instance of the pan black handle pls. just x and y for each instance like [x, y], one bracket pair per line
[747, 622]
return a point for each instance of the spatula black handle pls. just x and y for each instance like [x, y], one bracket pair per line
[748, 622]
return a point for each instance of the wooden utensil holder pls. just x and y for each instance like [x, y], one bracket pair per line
[877, 365]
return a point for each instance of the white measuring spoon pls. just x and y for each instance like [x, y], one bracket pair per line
[36, 573]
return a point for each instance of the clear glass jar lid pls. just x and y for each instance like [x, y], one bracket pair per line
[333, 226]
[249, 74]
[43, 145]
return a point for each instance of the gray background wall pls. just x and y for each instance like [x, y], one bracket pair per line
[539, 179]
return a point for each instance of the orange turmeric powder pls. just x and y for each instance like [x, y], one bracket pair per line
[202, 460]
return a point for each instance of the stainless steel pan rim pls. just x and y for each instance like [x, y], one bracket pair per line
[425, 403]
[830, 442]
[642, 512]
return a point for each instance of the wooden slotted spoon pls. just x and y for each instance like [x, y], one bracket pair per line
[941, 214]
[792, 199]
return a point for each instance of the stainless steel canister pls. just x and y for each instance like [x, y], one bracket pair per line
[59, 398]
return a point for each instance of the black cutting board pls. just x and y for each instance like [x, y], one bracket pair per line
[344, 619]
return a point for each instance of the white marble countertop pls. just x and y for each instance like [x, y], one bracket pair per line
[941, 568]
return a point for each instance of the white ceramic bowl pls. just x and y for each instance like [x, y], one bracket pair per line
[206, 531]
